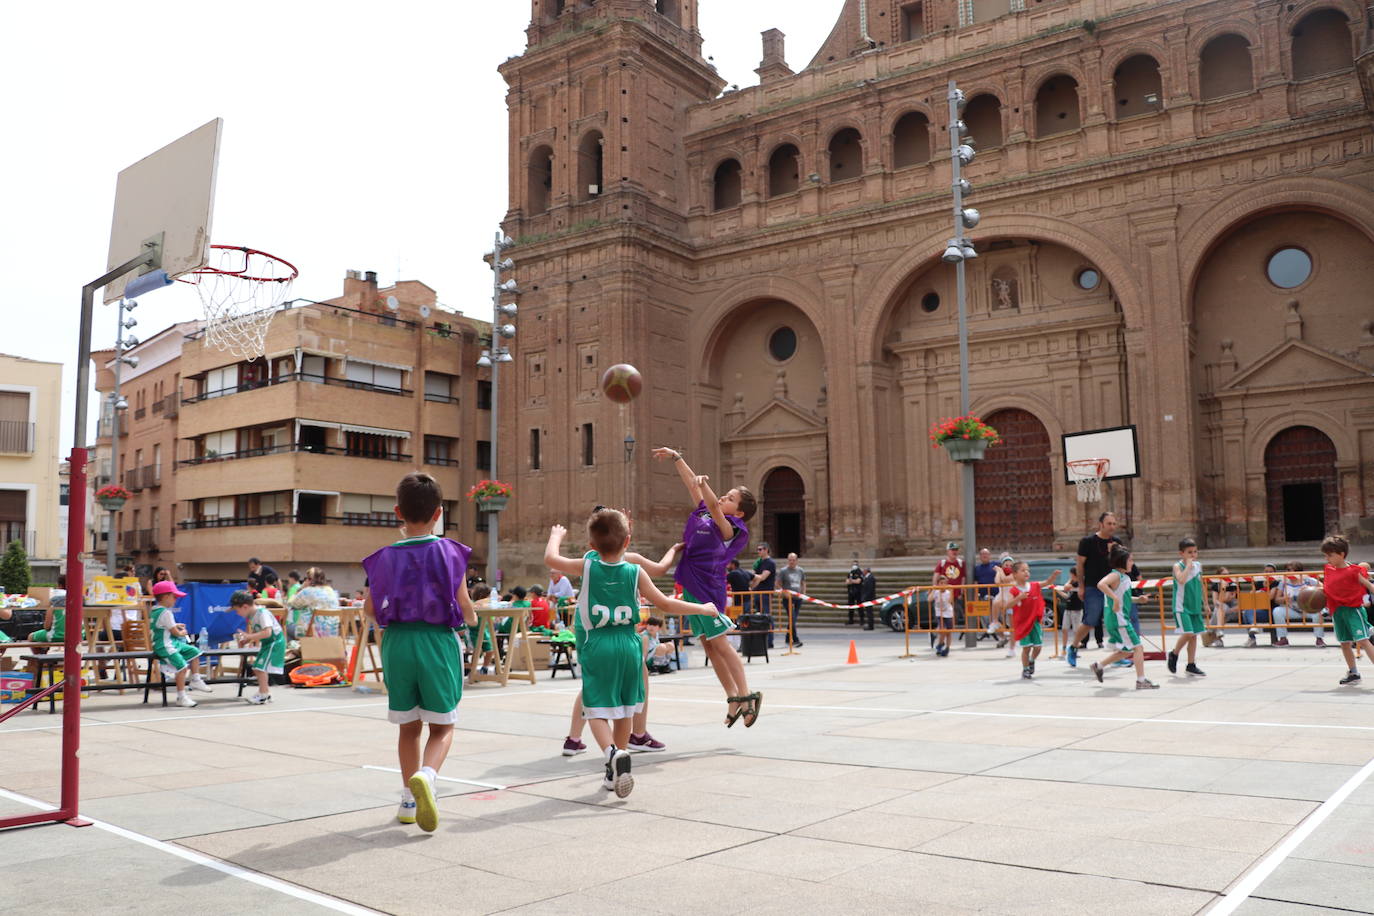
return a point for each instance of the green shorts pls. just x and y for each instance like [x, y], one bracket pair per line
[703, 626]
[612, 673]
[1034, 638]
[1189, 622]
[1123, 636]
[472, 638]
[422, 665]
[178, 658]
[271, 655]
[1351, 624]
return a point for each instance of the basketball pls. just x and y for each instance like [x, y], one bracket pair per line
[622, 383]
[1311, 599]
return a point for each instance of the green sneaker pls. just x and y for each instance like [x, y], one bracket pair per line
[426, 811]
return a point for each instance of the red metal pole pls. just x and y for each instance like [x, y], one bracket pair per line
[71, 660]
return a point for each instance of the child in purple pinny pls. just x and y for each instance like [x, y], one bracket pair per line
[714, 535]
[417, 594]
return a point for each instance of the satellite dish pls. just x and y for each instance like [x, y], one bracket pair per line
[393, 303]
[424, 311]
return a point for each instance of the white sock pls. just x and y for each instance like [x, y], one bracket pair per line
[428, 773]
[407, 795]
[610, 751]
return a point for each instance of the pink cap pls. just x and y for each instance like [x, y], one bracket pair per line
[167, 588]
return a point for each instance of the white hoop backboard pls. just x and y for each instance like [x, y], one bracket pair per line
[1117, 444]
[169, 193]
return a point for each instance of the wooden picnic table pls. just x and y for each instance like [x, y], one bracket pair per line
[50, 663]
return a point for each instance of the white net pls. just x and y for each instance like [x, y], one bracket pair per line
[1087, 478]
[240, 290]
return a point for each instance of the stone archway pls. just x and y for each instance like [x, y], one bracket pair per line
[1300, 485]
[1014, 485]
[784, 511]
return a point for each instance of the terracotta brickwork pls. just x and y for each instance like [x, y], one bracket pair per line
[1145, 173]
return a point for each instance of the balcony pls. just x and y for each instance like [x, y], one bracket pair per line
[293, 447]
[140, 413]
[150, 476]
[133, 479]
[330, 540]
[296, 377]
[283, 518]
[171, 406]
[16, 436]
[128, 541]
[147, 539]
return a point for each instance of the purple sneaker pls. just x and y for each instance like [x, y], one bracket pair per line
[646, 742]
[572, 747]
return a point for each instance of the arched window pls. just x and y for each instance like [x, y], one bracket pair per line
[725, 187]
[669, 9]
[784, 170]
[910, 140]
[846, 155]
[1321, 44]
[983, 115]
[1056, 106]
[589, 165]
[555, 7]
[1225, 67]
[540, 180]
[1138, 88]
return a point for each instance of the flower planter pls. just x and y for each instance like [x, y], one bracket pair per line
[966, 449]
[111, 504]
[492, 503]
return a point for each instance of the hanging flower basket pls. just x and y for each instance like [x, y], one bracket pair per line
[965, 438]
[490, 495]
[112, 497]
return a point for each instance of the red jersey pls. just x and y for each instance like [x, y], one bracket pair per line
[952, 570]
[1342, 586]
[1028, 611]
[541, 615]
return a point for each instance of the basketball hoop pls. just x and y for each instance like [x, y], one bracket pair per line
[1087, 477]
[240, 290]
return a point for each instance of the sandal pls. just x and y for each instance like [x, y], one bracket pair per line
[733, 716]
[751, 712]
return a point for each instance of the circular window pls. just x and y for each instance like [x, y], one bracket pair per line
[782, 344]
[1289, 267]
[930, 302]
[1087, 278]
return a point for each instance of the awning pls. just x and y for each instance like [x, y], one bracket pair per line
[375, 431]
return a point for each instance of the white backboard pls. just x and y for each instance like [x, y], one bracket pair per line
[169, 193]
[1117, 444]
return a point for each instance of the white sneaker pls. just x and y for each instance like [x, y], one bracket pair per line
[624, 783]
[198, 683]
[405, 814]
[258, 699]
[185, 701]
[1010, 651]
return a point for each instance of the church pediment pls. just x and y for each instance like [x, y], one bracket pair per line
[779, 417]
[1293, 364]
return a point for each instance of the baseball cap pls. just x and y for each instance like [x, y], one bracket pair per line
[167, 588]
[952, 545]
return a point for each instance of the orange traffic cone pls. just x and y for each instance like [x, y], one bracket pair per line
[853, 654]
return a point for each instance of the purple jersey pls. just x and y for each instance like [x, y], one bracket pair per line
[416, 580]
[701, 568]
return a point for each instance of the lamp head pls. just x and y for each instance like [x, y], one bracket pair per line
[507, 331]
[484, 361]
[965, 153]
[968, 251]
[953, 254]
[506, 264]
[970, 217]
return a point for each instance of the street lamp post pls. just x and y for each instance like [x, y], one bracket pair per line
[959, 250]
[501, 330]
[120, 405]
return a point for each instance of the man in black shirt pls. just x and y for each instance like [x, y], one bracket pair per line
[258, 573]
[739, 582]
[1092, 566]
[868, 591]
[853, 588]
[765, 580]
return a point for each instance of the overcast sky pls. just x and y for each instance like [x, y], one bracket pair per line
[356, 136]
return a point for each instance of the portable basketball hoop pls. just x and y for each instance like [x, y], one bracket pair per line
[241, 290]
[1087, 477]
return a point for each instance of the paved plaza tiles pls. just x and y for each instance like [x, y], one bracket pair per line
[897, 785]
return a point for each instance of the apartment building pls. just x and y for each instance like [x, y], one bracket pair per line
[30, 414]
[295, 457]
[145, 526]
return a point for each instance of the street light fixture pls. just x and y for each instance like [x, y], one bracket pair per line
[492, 358]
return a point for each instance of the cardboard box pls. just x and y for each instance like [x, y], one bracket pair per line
[42, 594]
[328, 649]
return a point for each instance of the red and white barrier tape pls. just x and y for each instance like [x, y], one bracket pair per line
[849, 607]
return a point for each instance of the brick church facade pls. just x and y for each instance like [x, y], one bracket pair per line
[1177, 233]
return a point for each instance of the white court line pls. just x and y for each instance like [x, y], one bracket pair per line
[1251, 882]
[196, 858]
[466, 782]
[1027, 715]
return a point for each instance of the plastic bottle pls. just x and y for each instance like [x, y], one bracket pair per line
[203, 640]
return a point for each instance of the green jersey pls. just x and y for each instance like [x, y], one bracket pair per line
[609, 646]
[608, 599]
[1188, 593]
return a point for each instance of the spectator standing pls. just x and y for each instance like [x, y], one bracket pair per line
[792, 577]
[868, 591]
[765, 581]
[951, 566]
[1092, 567]
[984, 573]
[853, 588]
[257, 575]
[738, 580]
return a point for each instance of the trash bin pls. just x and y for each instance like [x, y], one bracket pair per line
[753, 635]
